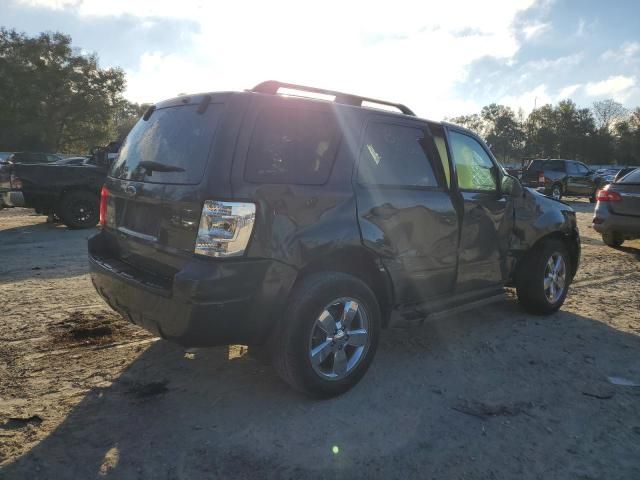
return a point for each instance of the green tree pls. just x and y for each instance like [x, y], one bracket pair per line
[502, 131]
[54, 98]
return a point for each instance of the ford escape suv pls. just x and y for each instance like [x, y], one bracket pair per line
[302, 227]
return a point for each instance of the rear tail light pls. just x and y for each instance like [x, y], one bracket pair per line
[605, 195]
[225, 228]
[15, 182]
[104, 198]
[541, 178]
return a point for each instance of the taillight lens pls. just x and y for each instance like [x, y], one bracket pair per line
[15, 182]
[605, 195]
[225, 228]
[104, 198]
[541, 178]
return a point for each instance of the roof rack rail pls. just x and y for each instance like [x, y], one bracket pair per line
[271, 87]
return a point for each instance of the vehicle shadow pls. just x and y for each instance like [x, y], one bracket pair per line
[495, 393]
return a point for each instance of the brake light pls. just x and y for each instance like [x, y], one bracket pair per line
[605, 195]
[541, 178]
[104, 197]
[15, 182]
[225, 228]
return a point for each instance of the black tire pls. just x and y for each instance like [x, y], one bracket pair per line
[291, 344]
[592, 198]
[79, 209]
[556, 187]
[612, 239]
[530, 278]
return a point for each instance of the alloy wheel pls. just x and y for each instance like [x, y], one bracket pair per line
[339, 338]
[555, 277]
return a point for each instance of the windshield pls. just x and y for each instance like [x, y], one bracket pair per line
[177, 137]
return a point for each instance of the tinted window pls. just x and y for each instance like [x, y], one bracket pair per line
[572, 168]
[395, 155]
[292, 146]
[535, 165]
[175, 137]
[632, 177]
[582, 169]
[554, 165]
[473, 165]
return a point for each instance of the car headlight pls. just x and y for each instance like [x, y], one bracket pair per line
[225, 228]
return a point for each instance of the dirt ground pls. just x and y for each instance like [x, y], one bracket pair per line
[489, 394]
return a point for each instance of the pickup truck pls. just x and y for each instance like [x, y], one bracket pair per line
[69, 191]
[557, 178]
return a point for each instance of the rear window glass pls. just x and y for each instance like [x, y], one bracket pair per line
[176, 139]
[632, 177]
[555, 166]
[292, 146]
[535, 165]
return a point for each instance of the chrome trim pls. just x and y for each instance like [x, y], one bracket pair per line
[133, 233]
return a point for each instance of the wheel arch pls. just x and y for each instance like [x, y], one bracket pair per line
[362, 264]
[571, 240]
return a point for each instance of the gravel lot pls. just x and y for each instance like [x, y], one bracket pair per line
[490, 394]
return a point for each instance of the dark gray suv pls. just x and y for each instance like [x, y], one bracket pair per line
[303, 227]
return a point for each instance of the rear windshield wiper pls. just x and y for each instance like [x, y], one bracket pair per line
[150, 166]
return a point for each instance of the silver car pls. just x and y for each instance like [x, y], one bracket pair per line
[617, 213]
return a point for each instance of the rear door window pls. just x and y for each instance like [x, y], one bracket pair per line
[292, 146]
[396, 155]
[176, 139]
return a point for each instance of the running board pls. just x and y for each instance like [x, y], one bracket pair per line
[417, 317]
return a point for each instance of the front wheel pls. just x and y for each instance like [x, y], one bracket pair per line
[556, 192]
[543, 278]
[328, 336]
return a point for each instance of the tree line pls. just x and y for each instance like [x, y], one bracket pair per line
[606, 133]
[54, 98]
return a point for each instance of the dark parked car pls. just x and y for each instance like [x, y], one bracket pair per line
[558, 178]
[33, 157]
[617, 213]
[302, 227]
[66, 188]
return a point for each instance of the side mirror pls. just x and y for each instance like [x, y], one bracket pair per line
[511, 186]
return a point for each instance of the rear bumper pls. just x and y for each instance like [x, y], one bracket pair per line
[610, 222]
[12, 199]
[206, 303]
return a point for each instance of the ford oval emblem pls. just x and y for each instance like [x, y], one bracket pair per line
[130, 190]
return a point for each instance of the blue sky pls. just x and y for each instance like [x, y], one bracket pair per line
[440, 58]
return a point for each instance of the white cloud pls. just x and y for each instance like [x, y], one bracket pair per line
[568, 91]
[627, 52]
[617, 87]
[536, 97]
[533, 30]
[407, 51]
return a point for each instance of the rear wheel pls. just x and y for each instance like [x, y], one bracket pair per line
[543, 278]
[329, 335]
[79, 209]
[556, 191]
[612, 239]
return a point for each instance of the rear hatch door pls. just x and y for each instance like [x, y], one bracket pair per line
[629, 189]
[163, 173]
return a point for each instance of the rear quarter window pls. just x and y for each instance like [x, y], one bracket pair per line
[292, 146]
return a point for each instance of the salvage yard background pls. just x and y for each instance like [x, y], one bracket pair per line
[494, 393]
